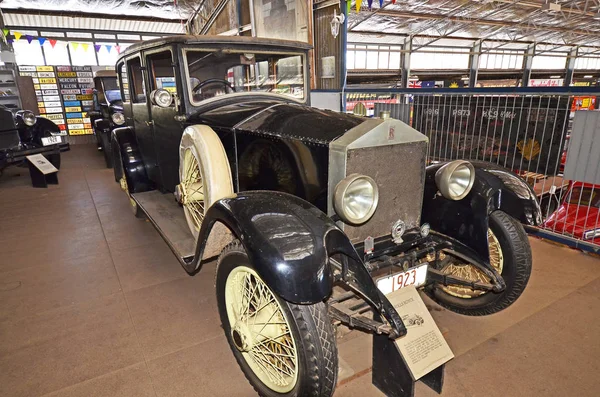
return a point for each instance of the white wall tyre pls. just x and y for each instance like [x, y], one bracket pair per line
[283, 349]
[204, 173]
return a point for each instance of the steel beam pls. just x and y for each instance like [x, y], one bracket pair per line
[527, 62]
[570, 66]
[474, 63]
[405, 62]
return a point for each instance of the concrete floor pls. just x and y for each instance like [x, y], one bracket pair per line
[93, 303]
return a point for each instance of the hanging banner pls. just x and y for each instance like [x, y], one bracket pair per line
[29, 38]
[41, 40]
[108, 47]
[17, 35]
[52, 42]
[85, 46]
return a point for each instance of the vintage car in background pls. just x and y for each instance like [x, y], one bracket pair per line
[315, 215]
[22, 134]
[107, 113]
[579, 213]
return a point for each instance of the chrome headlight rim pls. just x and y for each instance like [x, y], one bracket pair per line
[161, 97]
[341, 194]
[118, 118]
[29, 118]
[455, 179]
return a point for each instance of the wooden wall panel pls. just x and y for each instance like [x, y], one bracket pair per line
[327, 46]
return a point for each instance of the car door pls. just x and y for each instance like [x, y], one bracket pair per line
[160, 66]
[140, 116]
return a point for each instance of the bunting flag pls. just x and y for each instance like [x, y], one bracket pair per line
[74, 45]
[108, 47]
[17, 35]
[358, 4]
[370, 3]
[85, 46]
[41, 40]
[380, 3]
[29, 38]
[10, 41]
[393, 1]
[97, 47]
[52, 42]
[118, 48]
[348, 7]
[6, 32]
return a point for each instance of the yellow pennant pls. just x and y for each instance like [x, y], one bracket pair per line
[358, 4]
[85, 46]
[17, 35]
[74, 45]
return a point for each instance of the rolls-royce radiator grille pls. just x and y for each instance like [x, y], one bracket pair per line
[399, 171]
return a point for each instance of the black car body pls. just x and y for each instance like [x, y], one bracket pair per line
[107, 112]
[294, 172]
[23, 134]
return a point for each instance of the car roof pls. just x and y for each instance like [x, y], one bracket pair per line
[585, 185]
[218, 40]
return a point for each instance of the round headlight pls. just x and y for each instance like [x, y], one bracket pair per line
[118, 118]
[29, 118]
[355, 199]
[455, 179]
[162, 98]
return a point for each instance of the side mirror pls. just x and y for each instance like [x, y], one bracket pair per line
[161, 97]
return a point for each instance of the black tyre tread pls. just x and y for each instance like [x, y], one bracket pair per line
[522, 250]
[312, 320]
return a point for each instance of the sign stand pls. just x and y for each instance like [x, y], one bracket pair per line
[41, 171]
[391, 375]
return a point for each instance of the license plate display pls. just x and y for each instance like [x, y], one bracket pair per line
[51, 140]
[415, 276]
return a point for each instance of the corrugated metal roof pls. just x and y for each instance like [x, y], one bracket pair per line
[127, 24]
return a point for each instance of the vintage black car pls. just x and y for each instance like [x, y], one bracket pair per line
[314, 214]
[107, 113]
[22, 134]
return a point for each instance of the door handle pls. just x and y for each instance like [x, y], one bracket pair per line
[149, 123]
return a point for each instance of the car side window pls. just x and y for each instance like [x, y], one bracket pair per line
[136, 80]
[161, 72]
[123, 82]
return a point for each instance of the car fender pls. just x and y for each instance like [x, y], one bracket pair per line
[101, 126]
[466, 220]
[133, 165]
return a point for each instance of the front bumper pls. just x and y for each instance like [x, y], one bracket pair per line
[17, 155]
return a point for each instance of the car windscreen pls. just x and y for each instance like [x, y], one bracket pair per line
[214, 73]
[113, 95]
[585, 196]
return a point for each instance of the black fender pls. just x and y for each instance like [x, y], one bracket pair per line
[289, 243]
[102, 126]
[124, 146]
[466, 220]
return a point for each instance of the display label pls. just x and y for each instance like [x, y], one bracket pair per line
[52, 104]
[62, 127]
[45, 69]
[52, 98]
[75, 121]
[63, 68]
[74, 115]
[75, 126]
[81, 68]
[49, 92]
[46, 74]
[48, 81]
[85, 74]
[86, 120]
[27, 69]
[42, 110]
[39, 98]
[30, 74]
[67, 80]
[38, 92]
[73, 109]
[70, 91]
[69, 97]
[85, 80]
[87, 91]
[69, 85]
[53, 110]
[67, 74]
[37, 87]
[41, 104]
[85, 97]
[54, 117]
[72, 103]
[77, 132]
[35, 80]
[87, 103]
[48, 86]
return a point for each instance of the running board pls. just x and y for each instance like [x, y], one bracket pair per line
[168, 218]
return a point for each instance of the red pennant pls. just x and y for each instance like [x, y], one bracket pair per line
[118, 48]
[52, 42]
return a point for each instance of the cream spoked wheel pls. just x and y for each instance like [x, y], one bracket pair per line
[471, 273]
[191, 190]
[260, 330]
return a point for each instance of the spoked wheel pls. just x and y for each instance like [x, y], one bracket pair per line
[510, 255]
[204, 174]
[283, 349]
[191, 191]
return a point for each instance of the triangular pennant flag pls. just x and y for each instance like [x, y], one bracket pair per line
[118, 48]
[108, 47]
[41, 40]
[370, 3]
[97, 47]
[74, 45]
[10, 41]
[29, 38]
[358, 4]
[17, 35]
[6, 32]
[380, 3]
[348, 7]
[85, 46]
[52, 42]
[393, 1]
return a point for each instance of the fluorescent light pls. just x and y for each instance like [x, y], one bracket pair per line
[555, 77]
[588, 76]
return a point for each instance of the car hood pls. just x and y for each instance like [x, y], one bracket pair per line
[116, 106]
[284, 119]
[573, 219]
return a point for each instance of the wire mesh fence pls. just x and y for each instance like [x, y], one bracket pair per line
[527, 132]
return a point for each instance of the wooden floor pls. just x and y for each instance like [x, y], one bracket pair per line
[93, 303]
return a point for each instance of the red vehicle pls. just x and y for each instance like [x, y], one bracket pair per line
[578, 215]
